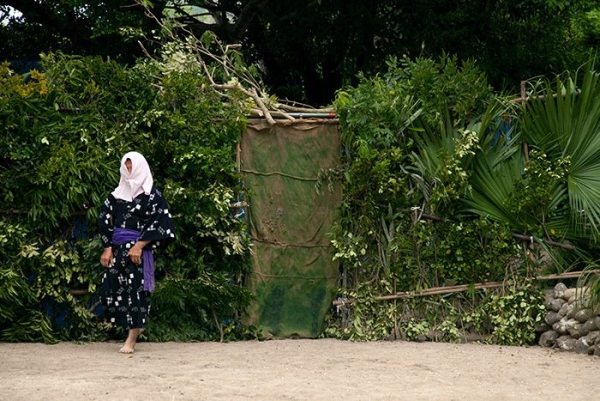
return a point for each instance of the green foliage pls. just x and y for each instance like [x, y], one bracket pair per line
[401, 171]
[435, 185]
[199, 309]
[332, 41]
[511, 315]
[59, 158]
[413, 329]
[367, 320]
[20, 316]
[565, 130]
[86, 27]
[473, 251]
[534, 198]
[449, 330]
[445, 84]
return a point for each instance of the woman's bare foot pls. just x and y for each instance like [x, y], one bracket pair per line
[126, 349]
[129, 346]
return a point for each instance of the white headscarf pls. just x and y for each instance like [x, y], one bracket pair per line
[140, 180]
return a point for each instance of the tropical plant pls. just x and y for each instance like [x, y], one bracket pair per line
[562, 120]
[502, 194]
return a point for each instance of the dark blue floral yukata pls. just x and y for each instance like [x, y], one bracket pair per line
[125, 298]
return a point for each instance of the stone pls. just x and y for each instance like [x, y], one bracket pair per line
[555, 304]
[552, 317]
[559, 328]
[565, 310]
[569, 293]
[583, 292]
[575, 331]
[548, 338]
[583, 315]
[574, 307]
[559, 290]
[597, 350]
[597, 321]
[583, 347]
[566, 343]
[563, 325]
[578, 302]
[434, 335]
[594, 337]
[588, 326]
[541, 327]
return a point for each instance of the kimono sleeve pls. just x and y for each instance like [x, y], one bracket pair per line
[105, 222]
[159, 229]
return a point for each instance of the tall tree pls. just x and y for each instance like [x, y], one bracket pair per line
[111, 28]
[97, 27]
[308, 50]
[311, 48]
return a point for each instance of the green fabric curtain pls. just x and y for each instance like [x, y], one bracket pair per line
[293, 277]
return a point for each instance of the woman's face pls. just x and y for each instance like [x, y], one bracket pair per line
[128, 165]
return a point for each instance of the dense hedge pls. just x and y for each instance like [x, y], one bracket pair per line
[442, 179]
[64, 130]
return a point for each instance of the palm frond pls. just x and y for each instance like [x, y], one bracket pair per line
[565, 124]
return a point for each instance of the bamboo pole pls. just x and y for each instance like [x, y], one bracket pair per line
[459, 288]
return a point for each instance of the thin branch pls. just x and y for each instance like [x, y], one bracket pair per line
[262, 106]
[222, 64]
[219, 326]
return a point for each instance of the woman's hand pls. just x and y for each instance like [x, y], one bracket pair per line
[135, 253]
[106, 259]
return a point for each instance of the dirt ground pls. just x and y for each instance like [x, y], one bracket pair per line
[294, 370]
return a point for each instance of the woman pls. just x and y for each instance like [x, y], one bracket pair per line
[134, 221]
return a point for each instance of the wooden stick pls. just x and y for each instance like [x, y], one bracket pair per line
[13, 211]
[258, 112]
[261, 105]
[238, 156]
[464, 287]
[441, 290]
[523, 237]
[550, 242]
[304, 109]
[566, 275]
[524, 98]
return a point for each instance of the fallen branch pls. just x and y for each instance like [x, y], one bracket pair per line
[220, 64]
[261, 105]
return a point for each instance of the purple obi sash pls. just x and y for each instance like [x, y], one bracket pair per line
[124, 235]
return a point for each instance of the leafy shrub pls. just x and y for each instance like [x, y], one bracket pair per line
[413, 138]
[66, 130]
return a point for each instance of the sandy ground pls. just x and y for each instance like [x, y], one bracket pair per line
[295, 370]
